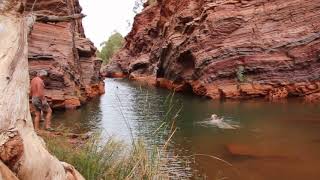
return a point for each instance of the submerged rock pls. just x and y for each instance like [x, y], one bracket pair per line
[226, 49]
[246, 151]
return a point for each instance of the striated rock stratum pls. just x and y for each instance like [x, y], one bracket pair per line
[61, 48]
[233, 49]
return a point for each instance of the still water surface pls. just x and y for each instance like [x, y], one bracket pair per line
[275, 141]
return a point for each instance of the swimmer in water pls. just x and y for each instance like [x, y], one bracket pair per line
[215, 118]
[218, 121]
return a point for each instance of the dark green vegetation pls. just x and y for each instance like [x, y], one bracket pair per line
[110, 47]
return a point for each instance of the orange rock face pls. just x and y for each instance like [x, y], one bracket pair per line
[62, 49]
[227, 49]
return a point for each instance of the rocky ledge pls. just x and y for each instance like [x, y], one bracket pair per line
[61, 48]
[234, 49]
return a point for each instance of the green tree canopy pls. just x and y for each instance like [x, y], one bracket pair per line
[111, 46]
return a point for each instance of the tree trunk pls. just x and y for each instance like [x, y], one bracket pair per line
[21, 150]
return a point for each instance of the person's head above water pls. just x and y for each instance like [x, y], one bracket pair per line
[214, 116]
[42, 73]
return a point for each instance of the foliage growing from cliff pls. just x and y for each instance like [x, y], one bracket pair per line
[240, 74]
[138, 4]
[152, 1]
[110, 47]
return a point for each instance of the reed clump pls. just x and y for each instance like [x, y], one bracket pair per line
[112, 159]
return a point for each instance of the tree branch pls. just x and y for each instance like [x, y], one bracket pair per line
[51, 18]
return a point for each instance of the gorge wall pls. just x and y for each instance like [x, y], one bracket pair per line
[232, 49]
[63, 50]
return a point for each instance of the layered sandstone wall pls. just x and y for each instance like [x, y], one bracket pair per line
[63, 50]
[226, 48]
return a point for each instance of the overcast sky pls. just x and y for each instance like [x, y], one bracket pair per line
[106, 16]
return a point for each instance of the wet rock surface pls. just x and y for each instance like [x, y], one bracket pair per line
[230, 49]
[63, 50]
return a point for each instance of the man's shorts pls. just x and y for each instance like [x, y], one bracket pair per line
[40, 105]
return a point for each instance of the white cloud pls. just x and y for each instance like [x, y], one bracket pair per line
[106, 16]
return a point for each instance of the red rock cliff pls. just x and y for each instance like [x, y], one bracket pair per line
[62, 49]
[226, 48]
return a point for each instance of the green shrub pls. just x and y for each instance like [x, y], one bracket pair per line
[240, 74]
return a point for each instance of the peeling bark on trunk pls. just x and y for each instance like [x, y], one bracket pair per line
[22, 151]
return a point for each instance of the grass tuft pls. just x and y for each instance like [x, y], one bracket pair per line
[113, 159]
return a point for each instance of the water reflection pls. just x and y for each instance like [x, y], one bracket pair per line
[277, 140]
[81, 120]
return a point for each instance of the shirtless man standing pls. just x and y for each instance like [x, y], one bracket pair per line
[39, 101]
